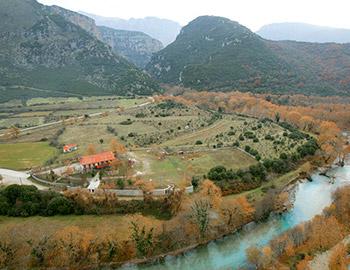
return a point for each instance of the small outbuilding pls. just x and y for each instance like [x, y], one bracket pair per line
[97, 161]
[94, 183]
[70, 148]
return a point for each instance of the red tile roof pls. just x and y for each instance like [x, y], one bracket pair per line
[101, 157]
[69, 146]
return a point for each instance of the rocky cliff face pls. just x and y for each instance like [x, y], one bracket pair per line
[137, 47]
[84, 22]
[52, 49]
[161, 29]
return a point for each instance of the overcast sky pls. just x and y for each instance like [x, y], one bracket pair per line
[251, 13]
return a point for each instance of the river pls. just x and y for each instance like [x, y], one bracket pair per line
[229, 252]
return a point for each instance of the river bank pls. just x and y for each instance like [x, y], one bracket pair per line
[285, 183]
[229, 250]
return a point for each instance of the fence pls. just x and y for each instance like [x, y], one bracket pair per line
[47, 183]
[118, 192]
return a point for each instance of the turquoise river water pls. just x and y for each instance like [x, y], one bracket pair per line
[229, 252]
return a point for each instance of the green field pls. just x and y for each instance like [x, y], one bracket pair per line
[22, 156]
[208, 139]
[173, 169]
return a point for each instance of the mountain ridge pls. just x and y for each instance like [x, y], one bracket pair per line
[304, 32]
[215, 53]
[163, 30]
[40, 48]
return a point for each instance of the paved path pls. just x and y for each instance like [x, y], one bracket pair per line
[20, 178]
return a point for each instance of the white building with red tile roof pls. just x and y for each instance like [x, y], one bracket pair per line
[97, 161]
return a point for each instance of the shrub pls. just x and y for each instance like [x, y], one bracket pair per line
[217, 173]
[195, 181]
[121, 183]
[140, 115]
[199, 142]
[236, 144]
[249, 135]
[126, 122]
[59, 206]
[283, 156]
[231, 133]
[269, 137]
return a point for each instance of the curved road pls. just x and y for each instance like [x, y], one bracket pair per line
[14, 177]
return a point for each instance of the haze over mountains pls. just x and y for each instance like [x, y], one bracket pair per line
[218, 54]
[161, 29]
[304, 32]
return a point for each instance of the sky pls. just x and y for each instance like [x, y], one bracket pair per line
[251, 13]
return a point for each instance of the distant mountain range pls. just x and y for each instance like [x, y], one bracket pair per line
[304, 32]
[50, 49]
[214, 53]
[160, 29]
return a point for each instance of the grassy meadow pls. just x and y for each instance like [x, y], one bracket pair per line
[21, 156]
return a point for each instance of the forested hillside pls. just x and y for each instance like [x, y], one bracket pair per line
[43, 52]
[216, 53]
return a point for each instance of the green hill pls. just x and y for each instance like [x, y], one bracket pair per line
[215, 53]
[41, 49]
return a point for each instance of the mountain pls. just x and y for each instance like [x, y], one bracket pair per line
[135, 46]
[160, 29]
[214, 53]
[304, 32]
[49, 49]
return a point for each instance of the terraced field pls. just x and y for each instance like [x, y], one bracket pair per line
[170, 142]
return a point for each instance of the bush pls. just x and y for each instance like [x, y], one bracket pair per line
[195, 181]
[217, 173]
[59, 206]
[269, 137]
[283, 156]
[249, 135]
[231, 133]
[199, 142]
[112, 130]
[236, 144]
[121, 183]
[126, 122]
[140, 115]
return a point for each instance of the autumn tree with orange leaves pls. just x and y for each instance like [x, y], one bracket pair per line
[117, 147]
[338, 259]
[330, 140]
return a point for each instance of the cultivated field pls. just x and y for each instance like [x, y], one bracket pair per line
[169, 142]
